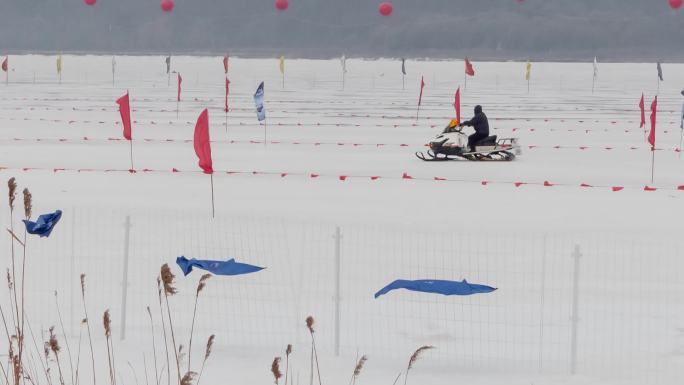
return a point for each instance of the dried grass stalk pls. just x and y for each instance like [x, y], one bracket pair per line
[314, 354]
[166, 342]
[207, 353]
[358, 368]
[154, 349]
[28, 204]
[12, 187]
[275, 369]
[66, 340]
[167, 278]
[87, 323]
[54, 346]
[288, 351]
[107, 323]
[414, 357]
[187, 378]
[200, 286]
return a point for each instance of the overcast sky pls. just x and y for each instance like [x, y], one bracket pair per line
[484, 29]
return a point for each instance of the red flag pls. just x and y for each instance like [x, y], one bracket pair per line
[202, 143]
[227, 89]
[643, 113]
[469, 67]
[225, 64]
[125, 110]
[180, 80]
[652, 135]
[422, 85]
[457, 104]
[4, 64]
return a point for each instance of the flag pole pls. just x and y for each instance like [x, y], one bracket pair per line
[403, 82]
[652, 162]
[681, 136]
[132, 168]
[212, 194]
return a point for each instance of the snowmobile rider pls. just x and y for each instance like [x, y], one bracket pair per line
[481, 125]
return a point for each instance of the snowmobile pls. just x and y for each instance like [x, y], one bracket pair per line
[452, 144]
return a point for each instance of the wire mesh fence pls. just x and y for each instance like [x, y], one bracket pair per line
[565, 303]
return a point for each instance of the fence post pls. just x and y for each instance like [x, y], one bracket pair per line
[72, 274]
[542, 291]
[575, 310]
[124, 280]
[338, 238]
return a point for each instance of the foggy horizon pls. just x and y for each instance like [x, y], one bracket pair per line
[484, 30]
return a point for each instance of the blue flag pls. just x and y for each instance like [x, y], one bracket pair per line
[229, 267]
[259, 102]
[436, 286]
[44, 224]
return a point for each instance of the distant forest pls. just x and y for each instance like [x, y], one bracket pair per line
[484, 29]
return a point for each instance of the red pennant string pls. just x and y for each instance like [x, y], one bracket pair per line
[617, 188]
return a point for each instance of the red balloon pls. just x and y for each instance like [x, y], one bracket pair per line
[167, 5]
[676, 4]
[282, 4]
[90, 2]
[385, 8]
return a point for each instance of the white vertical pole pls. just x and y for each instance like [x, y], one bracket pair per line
[124, 280]
[338, 238]
[72, 272]
[542, 290]
[575, 309]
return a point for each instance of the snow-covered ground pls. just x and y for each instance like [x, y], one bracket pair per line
[278, 205]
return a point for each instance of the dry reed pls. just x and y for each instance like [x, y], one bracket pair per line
[200, 286]
[187, 378]
[16, 360]
[66, 340]
[314, 354]
[166, 343]
[167, 278]
[78, 354]
[87, 322]
[275, 369]
[414, 357]
[154, 349]
[54, 346]
[288, 351]
[207, 353]
[358, 368]
[107, 323]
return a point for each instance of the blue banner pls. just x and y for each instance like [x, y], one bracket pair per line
[44, 224]
[437, 287]
[229, 267]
